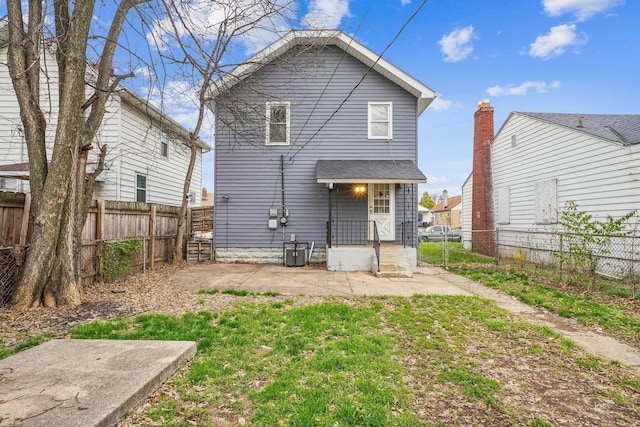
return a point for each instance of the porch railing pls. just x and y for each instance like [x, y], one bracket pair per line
[409, 232]
[363, 232]
[376, 244]
[358, 232]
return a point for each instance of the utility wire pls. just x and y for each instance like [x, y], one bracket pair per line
[335, 70]
[424, 2]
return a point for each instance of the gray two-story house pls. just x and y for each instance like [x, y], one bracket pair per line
[316, 148]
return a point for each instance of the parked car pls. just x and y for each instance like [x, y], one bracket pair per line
[455, 235]
[436, 233]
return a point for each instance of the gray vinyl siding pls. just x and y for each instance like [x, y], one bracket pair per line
[601, 176]
[248, 172]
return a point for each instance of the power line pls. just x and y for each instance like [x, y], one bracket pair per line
[335, 70]
[424, 2]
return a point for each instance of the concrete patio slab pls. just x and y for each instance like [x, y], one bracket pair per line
[309, 281]
[84, 382]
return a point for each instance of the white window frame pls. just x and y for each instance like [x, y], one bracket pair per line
[145, 188]
[546, 201]
[388, 121]
[267, 140]
[164, 145]
[504, 205]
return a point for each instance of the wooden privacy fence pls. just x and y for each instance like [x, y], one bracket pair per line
[153, 226]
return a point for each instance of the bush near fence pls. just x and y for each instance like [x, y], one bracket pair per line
[619, 259]
[108, 223]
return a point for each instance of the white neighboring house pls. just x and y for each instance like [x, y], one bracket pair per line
[425, 216]
[465, 211]
[540, 161]
[147, 155]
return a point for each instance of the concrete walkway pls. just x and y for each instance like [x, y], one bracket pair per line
[594, 343]
[310, 281]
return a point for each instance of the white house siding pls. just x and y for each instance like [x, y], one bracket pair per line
[601, 176]
[465, 214]
[132, 141]
[109, 133]
[12, 149]
[138, 151]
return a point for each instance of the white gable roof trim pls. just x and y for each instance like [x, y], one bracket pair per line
[337, 38]
[623, 129]
[159, 118]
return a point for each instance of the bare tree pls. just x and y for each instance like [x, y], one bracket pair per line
[61, 187]
[199, 40]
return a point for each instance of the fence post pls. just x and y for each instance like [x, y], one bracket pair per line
[24, 226]
[100, 235]
[497, 246]
[561, 257]
[144, 255]
[152, 235]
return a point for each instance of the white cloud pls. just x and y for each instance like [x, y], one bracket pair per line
[433, 180]
[456, 45]
[326, 13]
[256, 24]
[581, 9]
[144, 72]
[521, 90]
[441, 104]
[179, 100]
[405, 2]
[556, 42]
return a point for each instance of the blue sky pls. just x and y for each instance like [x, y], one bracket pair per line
[572, 56]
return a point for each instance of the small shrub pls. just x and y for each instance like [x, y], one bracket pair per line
[588, 238]
[117, 258]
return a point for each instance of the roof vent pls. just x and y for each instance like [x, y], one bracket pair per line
[581, 122]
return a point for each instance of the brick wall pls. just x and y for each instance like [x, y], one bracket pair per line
[482, 225]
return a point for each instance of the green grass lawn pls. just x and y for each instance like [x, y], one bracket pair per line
[608, 309]
[420, 361]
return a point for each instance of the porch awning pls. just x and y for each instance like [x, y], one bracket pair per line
[369, 171]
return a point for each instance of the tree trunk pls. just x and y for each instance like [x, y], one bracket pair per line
[182, 218]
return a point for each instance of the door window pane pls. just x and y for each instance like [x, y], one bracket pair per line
[381, 198]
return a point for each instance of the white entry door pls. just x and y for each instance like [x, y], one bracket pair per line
[382, 210]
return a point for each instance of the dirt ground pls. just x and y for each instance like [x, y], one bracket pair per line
[533, 383]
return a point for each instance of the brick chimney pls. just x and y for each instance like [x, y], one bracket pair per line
[482, 225]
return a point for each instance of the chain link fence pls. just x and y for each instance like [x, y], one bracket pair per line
[616, 256]
[10, 258]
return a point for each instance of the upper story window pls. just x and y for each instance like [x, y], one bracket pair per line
[278, 115]
[380, 120]
[141, 187]
[164, 145]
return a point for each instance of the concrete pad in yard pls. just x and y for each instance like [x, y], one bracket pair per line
[84, 382]
[309, 281]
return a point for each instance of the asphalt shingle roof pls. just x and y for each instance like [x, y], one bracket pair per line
[452, 202]
[621, 128]
[368, 170]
